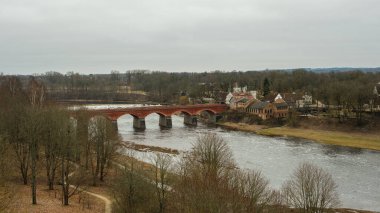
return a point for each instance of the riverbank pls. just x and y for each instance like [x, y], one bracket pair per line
[340, 138]
[146, 148]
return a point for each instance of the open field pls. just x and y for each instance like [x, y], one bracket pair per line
[340, 138]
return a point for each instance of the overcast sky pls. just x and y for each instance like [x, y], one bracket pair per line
[97, 36]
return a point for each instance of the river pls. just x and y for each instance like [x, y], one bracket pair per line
[356, 171]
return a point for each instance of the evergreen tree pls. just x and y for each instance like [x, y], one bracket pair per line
[266, 87]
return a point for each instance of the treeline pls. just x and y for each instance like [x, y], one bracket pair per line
[347, 94]
[207, 180]
[332, 88]
[37, 137]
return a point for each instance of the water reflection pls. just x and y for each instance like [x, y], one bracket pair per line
[333, 150]
[295, 142]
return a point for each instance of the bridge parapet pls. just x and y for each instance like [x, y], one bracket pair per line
[142, 112]
[165, 112]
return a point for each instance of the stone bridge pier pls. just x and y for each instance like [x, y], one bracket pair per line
[211, 119]
[114, 124]
[190, 120]
[165, 121]
[139, 123]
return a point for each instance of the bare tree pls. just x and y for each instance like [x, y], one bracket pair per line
[204, 174]
[52, 121]
[72, 175]
[13, 107]
[162, 165]
[6, 190]
[311, 189]
[34, 127]
[82, 125]
[213, 156]
[33, 130]
[249, 191]
[104, 140]
[210, 182]
[132, 190]
[256, 191]
[16, 136]
[36, 92]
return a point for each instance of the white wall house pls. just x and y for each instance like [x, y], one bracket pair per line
[229, 98]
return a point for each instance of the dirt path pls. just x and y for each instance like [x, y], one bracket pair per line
[108, 202]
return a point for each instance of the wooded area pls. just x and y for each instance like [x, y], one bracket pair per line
[35, 134]
[335, 88]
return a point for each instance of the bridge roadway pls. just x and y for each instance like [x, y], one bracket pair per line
[190, 113]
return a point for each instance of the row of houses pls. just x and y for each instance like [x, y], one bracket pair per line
[274, 105]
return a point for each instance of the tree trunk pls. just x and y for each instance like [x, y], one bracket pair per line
[34, 162]
[65, 182]
[97, 163]
[24, 174]
[101, 171]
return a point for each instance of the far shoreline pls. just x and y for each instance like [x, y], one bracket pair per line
[338, 138]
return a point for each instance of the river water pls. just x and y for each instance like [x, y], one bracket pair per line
[356, 171]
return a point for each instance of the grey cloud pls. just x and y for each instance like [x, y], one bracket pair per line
[186, 35]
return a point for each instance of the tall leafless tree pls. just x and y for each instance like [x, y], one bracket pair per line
[6, 190]
[311, 189]
[162, 164]
[104, 140]
[133, 192]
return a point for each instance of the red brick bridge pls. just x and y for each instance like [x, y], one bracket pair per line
[190, 113]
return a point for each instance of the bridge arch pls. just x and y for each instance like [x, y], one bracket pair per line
[210, 111]
[157, 112]
[208, 115]
[185, 112]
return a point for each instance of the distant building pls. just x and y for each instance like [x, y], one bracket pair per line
[265, 110]
[272, 106]
[293, 100]
[239, 97]
[305, 101]
[376, 100]
[376, 89]
[281, 108]
[262, 109]
[239, 103]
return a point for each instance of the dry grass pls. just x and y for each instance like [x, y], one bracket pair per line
[358, 140]
[340, 138]
[242, 126]
[50, 201]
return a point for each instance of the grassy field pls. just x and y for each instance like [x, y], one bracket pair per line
[359, 140]
[350, 139]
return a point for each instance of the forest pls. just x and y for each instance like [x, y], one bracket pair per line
[336, 88]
